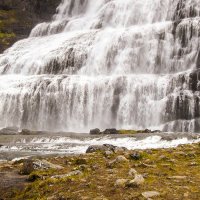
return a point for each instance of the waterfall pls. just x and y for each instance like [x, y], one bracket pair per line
[131, 64]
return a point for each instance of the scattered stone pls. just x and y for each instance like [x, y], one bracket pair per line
[135, 156]
[144, 165]
[177, 177]
[120, 149]
[121, 183]
[193, 164]
[73, 173]
[180, 153]
[95, 167]
[83, 167]
[108, 153]
[163, 157]
[100, 198]
[95, 131]
[186, 194]
[120, 159]
[166, 165]
[137, 181]
[150, 194]
[132, 172]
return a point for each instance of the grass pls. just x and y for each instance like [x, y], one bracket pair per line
[98, 179]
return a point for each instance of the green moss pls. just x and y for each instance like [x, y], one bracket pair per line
[127, 131]
[6, 35]
[96, 181]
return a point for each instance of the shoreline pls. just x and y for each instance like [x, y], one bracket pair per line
[16, 146]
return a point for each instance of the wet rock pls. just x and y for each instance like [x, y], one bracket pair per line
[9, 131]
[121, 183]
[95, 131]
[150, 194]
[30, 132]
[112, 131]
[105, 147]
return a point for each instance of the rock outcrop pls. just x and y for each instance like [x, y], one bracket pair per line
[18, 17]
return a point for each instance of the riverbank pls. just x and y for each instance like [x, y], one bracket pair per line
[108, 174]
[43, 143]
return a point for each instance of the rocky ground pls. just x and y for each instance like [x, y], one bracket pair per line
[106, 173]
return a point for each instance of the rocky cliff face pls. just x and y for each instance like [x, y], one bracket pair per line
[18, 17]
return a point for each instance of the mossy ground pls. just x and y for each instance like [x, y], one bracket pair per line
[7, 20]
[174, 173]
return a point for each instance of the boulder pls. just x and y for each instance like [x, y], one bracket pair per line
[132, 172]
[120, 149]
[44, 164]
[95, 131]
[29, 166]
[120, 159]
[104, 147]
[121, 183]
[107, 153]
[9, 131]
[30, 132]
[137, 181]
[112, 131]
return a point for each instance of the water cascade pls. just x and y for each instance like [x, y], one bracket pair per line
[130, 64]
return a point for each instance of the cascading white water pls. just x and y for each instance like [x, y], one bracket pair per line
[106, 63]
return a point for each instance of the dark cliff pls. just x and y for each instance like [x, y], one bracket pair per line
[18, 17]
